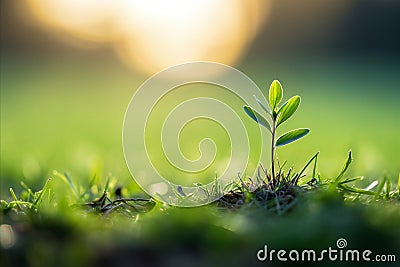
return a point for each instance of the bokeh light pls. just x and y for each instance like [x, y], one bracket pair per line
[152, 35]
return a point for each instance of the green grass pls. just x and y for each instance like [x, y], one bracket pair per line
[57, 116]
[96, 224]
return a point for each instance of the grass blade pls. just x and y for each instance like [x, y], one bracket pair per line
[67, 179]
[15, 198]
[388, 185]
[345, 167]
[372, 185]
[398, 183]
[356, 190]
[39, 197]
[380, 186]
[90, 185]
[30, 192]
[308, 163]
[349, 180]
[315, 165]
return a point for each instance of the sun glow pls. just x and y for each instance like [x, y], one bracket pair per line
[154, 34]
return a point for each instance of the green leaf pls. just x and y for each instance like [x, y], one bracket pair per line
[257, 117]
[275, 94]
[287, 109]
[291, 136]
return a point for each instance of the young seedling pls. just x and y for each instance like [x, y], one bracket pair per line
[278, 115]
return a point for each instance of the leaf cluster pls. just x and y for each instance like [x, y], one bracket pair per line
[277, 114]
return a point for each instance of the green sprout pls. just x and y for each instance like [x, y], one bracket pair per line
[278, 115]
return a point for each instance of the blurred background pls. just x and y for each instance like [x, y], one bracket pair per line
[69, 69]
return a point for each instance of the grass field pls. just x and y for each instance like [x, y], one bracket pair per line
[66, 115]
